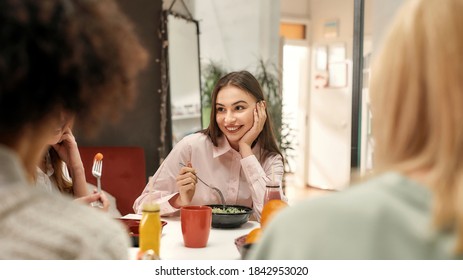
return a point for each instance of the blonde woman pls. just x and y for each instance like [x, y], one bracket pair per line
[413, 208]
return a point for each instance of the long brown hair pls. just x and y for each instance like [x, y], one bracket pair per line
[247, 82]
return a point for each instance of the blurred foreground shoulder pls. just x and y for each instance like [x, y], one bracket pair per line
[62, 228]
[386, 217]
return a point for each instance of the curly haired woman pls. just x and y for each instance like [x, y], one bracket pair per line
[71, 58]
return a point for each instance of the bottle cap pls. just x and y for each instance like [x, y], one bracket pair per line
[273, 184]
[150, 207]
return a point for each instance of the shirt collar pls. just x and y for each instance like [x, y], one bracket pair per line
[222, 147]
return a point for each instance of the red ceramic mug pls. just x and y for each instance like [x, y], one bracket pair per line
[196, 225]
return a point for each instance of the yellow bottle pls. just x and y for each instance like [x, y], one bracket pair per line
[150, 229]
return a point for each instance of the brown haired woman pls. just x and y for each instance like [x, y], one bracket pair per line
[237, 153]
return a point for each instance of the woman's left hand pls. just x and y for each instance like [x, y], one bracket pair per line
[259, 120]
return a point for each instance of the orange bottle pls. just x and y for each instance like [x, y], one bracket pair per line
[150, 229]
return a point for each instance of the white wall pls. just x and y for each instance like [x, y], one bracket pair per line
[295, 9]
[238, 33]
[330, 109]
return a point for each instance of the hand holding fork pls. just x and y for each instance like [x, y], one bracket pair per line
[222, 199]
[97, 169]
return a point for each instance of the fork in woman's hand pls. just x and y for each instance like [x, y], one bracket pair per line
[222, 199]
[97, 169]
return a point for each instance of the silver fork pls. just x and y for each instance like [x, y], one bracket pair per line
[207, 185]
[97, 168]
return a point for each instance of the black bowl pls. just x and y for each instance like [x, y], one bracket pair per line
[230, 220]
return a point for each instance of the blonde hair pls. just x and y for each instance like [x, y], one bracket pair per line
[417, 102]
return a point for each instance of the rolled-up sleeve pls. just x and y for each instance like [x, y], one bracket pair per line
[258, 175]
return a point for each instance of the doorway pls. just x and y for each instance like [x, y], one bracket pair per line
[295, 93]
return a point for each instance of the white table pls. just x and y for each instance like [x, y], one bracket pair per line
[220, 246]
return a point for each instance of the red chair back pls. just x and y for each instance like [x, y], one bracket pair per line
[123, 174]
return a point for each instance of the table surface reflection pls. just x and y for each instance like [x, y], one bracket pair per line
[220, 246]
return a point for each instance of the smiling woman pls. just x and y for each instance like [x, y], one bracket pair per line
[236, 153]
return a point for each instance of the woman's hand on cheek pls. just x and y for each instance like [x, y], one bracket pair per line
[259, 121]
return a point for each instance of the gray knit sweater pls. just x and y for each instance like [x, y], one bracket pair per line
[35, 224]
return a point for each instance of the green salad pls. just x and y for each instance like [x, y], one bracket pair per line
[227, 210]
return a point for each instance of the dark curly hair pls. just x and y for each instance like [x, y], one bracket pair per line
[78, 55]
